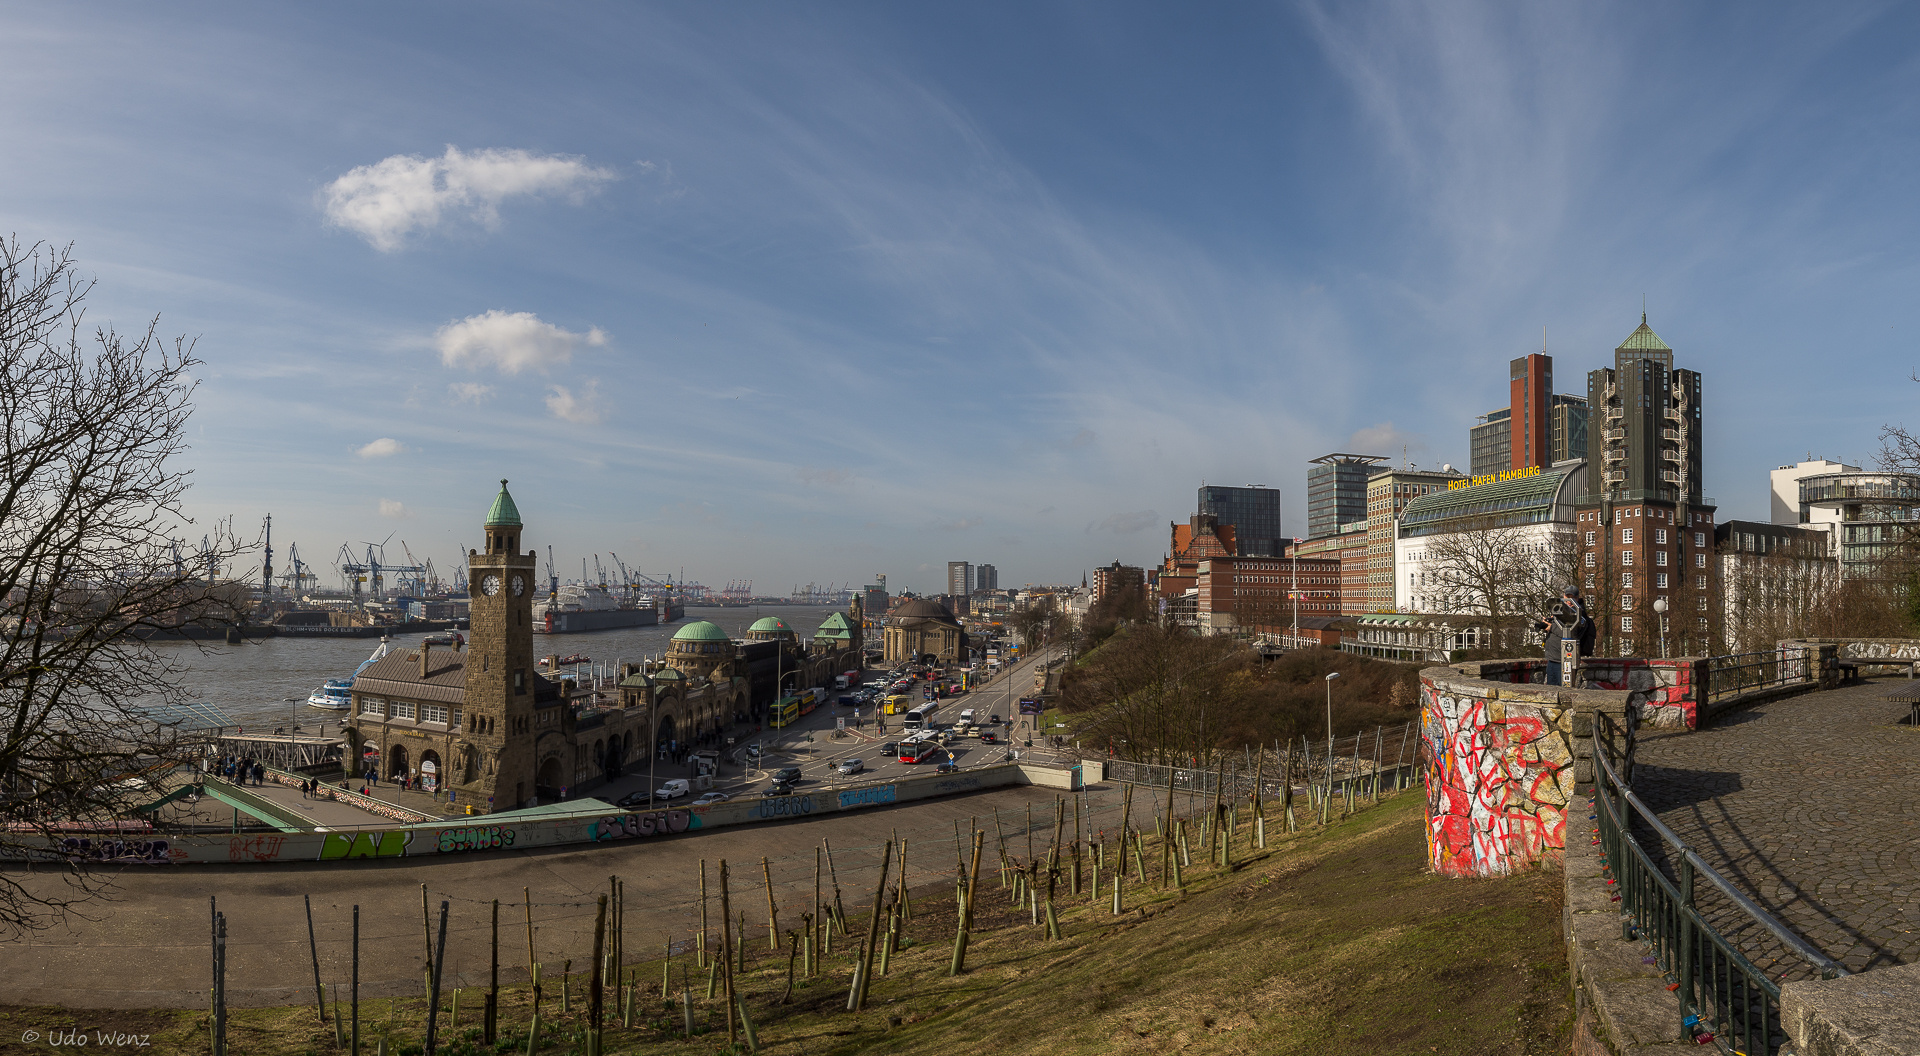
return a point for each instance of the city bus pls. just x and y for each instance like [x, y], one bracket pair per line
[920, 718]
[898, 704]
[785, 712]
[915, 749]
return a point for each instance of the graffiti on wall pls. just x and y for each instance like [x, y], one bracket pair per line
[255, 848]
[782, 807]
[1498, 779]
[868, 797]
[478, 838]
[146, 852]
[1662, 694]
[631, 826]
[389, 844]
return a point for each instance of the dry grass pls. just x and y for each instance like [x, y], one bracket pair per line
[1329, 942]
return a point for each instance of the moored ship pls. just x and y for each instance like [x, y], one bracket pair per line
[590, 607]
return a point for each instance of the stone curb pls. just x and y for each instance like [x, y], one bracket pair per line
[1623, 1006]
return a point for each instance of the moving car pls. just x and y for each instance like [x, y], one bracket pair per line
[989, 737]
[890, 749]
[779, 790]
[786, 775]
[634, 799]
[851, 766]
[711, 798]
[673, 789]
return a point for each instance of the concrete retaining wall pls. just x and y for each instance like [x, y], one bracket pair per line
[587, 825]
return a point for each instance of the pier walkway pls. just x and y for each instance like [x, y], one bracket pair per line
[1809, 804]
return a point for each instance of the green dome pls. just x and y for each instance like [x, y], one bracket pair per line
[769, 623]
[702, 631]
[504, 513]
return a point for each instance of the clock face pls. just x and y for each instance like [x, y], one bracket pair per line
[519, 586]
[491, 585]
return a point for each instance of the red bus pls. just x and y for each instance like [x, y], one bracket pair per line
[916, 751]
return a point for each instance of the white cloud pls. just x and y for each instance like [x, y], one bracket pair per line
[583, 409]
[382, 448]
[470, 392]
[393, 508]
[509, 341]
[390, 199]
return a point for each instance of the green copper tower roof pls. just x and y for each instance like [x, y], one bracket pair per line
[1644, 339]
[769, 623]
[504, 512]
[701, 631]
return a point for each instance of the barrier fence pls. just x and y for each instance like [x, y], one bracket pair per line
[1722, 993]
[1383, 759]
[1737, 673]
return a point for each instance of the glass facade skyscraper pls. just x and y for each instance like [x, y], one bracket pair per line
[1254, 512]
[1337, 491]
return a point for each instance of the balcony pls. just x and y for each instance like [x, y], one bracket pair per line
[1613, 434]
[1675, 435]
[1673, 477]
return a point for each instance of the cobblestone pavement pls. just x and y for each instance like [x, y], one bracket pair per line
[1811, 806]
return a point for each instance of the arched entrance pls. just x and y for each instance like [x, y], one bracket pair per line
[612, 759]
[663, 735]
[551, 779]
[397, 762]
[430, 775]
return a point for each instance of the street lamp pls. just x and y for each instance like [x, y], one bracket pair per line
[1329, 681]
[1660, 606]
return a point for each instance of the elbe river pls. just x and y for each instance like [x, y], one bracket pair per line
[266, 681]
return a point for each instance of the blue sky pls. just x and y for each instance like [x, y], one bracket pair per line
[807, 292]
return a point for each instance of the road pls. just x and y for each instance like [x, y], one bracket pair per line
[147, 946]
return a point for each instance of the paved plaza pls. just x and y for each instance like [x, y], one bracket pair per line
[1812, 806]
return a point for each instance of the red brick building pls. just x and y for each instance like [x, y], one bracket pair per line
[1258, 594]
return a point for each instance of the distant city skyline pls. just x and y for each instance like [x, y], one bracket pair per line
[701, 280]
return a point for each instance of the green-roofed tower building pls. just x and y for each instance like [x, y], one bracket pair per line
[1646, 525]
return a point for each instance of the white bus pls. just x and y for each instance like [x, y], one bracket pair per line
[920, 718]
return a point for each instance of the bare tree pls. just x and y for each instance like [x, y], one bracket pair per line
[1160, 693]
[1505, 573]
[88, 568]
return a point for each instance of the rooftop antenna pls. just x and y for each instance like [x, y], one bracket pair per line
[1643, 309]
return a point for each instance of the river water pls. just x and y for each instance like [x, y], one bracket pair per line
[268, 680]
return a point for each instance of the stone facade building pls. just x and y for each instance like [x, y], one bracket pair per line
[482, 725]
[919, 629]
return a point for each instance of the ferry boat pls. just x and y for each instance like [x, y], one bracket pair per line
[337, 693]
[590, 607]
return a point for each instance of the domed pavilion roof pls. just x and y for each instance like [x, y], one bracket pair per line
[918, 612]
[770, 624]
[700, 631]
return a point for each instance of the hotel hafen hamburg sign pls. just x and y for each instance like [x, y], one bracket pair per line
[1494, 478]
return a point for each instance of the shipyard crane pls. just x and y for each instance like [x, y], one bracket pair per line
[553, 577]
[298, 579]
[266, 569]
[599, 573]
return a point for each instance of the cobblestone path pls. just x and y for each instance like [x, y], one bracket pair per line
[1811, 806]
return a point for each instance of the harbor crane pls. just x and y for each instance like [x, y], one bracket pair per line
[373, 571]
[266, 568]
[298, 578]
[553, 577]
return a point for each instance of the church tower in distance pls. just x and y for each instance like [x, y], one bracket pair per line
[501, 680]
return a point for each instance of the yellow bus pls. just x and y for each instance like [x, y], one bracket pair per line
[785, 712]
[899, 704]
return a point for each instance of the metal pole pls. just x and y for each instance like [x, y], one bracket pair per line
[355, 1050]
[433, 1002]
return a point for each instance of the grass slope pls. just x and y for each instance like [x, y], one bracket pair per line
[1334, 941]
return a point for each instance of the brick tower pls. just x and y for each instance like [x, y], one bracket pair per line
[501, 681]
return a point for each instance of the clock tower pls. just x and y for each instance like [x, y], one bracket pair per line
[501, 682]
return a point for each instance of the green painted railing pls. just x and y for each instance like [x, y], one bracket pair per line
[1721, 992]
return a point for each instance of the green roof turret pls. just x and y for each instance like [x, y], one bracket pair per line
[504, 513]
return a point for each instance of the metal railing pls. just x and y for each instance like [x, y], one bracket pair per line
[1737, 673]
[1721, 992]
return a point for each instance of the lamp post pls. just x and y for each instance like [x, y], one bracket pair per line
[1660, 607]
[1329, 680]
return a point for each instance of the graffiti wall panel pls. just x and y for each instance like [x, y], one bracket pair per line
[1499, 774]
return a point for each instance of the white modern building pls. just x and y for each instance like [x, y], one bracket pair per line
[1788, 508]
[1533, 516]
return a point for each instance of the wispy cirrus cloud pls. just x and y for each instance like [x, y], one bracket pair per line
[396, 197]
[510, 342]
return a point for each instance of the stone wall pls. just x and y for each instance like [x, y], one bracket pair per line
[1503, 758]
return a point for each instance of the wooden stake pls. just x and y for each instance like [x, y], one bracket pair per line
[858, 998]
[726, 947]
[700, 940]
[533, 967]
[773, 913]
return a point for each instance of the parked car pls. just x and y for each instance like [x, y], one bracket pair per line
[786, 775]
[674, 789]
[635, 799]
[711, 798]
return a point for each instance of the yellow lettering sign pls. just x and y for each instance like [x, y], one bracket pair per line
[1494, 478]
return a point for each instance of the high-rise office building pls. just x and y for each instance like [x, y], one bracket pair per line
[959, 579]
[1645, 529]
[986, 577]
[1337, 492]
[1538, 427]
[1254, 513]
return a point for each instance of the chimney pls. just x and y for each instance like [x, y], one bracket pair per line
[426, 650]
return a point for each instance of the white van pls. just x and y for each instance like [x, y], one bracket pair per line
[966, 717]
